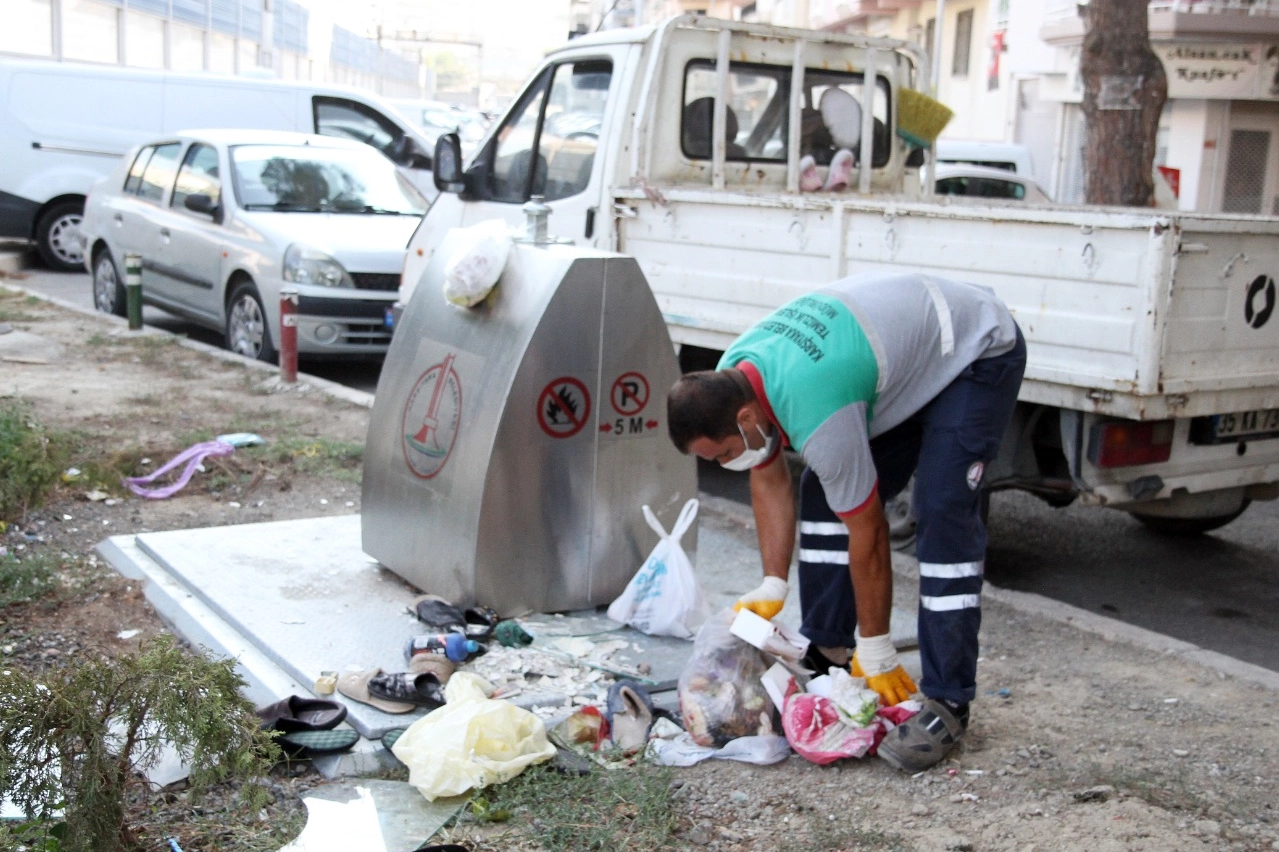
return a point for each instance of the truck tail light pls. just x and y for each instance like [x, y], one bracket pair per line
[1122, 443]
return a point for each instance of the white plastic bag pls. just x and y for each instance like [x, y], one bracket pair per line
[477, 262]
[664, 597]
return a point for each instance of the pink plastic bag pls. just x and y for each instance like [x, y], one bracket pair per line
[813, 728]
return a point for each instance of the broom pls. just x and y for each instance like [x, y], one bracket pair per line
[920, 119]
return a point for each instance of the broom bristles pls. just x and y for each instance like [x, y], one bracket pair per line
[921, 119]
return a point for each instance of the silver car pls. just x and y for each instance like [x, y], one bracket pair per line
[222, 220]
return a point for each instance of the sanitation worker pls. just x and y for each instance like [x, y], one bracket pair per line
[871, 379]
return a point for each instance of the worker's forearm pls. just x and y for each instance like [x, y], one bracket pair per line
[774, 506]
[870, 567]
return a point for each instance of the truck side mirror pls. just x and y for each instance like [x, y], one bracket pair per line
[448, 164]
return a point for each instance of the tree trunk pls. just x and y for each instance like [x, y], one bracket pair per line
[1124, 92]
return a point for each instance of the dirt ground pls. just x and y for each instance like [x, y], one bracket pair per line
[1079, 739]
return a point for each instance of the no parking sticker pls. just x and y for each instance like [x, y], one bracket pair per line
[629, 394]
[562, 407]
[629, 397]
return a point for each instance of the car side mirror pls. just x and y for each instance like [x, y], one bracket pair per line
[448, 163]
[198, 202]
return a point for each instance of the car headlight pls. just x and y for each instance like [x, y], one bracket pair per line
[305, 265]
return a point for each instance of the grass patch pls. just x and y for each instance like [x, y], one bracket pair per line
[605, 810]
[31, 460]
[13, 306]
[1169, 792]
[26, 576]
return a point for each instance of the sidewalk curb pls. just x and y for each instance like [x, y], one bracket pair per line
[329, 388]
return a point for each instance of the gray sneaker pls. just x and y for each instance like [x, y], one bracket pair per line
[923, 739]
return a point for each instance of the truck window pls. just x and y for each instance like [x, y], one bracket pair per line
[158, 176]
[198, 175]
[347, 119]
[547, 144]
[757, 114]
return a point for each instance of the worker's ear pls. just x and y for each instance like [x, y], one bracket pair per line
[749, 417]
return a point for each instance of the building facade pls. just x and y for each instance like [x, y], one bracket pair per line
[278, 38]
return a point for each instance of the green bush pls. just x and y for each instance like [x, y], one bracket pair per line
[30, 462]
[25, 577]
[73, 740]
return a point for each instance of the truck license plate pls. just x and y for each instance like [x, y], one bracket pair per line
[1224, 428]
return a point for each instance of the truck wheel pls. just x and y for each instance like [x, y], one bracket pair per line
[58, 236]
[901, 519]
[1188, 526]
[247, 332]
[108, 289]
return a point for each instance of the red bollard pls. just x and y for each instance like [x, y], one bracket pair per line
[289, 335]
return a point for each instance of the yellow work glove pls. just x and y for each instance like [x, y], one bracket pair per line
[876, 660]
[766, 600]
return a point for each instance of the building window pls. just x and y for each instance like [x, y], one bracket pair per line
[963, 43]
[28, 28]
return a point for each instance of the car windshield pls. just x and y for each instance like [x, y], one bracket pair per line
[306, 179]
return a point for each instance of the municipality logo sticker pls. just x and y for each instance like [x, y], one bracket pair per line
[975, 470]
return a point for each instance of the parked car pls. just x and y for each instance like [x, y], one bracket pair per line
[986, 182]
[224, 219]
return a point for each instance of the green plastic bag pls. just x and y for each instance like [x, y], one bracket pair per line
[471, 742]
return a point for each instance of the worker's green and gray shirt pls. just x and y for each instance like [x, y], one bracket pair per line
[852, 360]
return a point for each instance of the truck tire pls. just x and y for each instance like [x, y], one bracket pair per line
[58, 236]
[1187, 526]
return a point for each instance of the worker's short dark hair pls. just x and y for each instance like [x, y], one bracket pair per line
[704, 404]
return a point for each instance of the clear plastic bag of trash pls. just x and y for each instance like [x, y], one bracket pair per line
[472, 742]
[479, 255]
[721, 693]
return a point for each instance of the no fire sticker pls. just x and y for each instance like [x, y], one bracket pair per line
[563, 407]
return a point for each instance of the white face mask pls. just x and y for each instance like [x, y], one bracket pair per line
[752, 458]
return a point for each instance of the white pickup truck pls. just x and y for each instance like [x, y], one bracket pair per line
[1153, 377]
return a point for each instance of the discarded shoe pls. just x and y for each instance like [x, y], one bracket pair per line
[923, 739]
[441, 667]
[480, 622]
[356, 686]
[308, 744]
[629, 712]
[298, 713]
[419, 689]
[439, 614]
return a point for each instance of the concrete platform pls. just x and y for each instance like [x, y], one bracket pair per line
[290, 599]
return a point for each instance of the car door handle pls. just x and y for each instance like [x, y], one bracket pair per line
[164, 232]
[119, 220]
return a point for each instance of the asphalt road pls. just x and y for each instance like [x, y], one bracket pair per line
[1219, 591]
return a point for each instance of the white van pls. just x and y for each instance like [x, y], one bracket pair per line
[1008, 156]
[63, 126]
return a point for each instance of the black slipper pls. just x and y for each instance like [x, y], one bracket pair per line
[308, 744]
[437, 613]
[421, 689]
[297, 713]
[480, 621]
[390, 738]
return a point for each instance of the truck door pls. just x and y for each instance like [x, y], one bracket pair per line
[547, 145]
[350, 119]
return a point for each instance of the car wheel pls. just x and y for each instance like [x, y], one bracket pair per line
[58, 236]
[108, 289]
[247, 332]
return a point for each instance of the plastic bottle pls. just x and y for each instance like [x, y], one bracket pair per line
[455, 646]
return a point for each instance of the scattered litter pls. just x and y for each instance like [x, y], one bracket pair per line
[1180, 752]
[1171, 700]
[193, 455]
[127, 634]
[71, 474]
[241, 439]
[96, 496]
[234, 504]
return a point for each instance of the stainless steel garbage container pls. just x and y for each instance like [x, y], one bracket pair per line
[512, 444]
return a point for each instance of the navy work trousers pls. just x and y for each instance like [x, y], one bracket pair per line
[946, 445]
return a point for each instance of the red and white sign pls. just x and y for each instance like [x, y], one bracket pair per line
[563, 407]
[630, 394]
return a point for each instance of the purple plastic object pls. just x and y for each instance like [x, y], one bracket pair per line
[192, 455]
